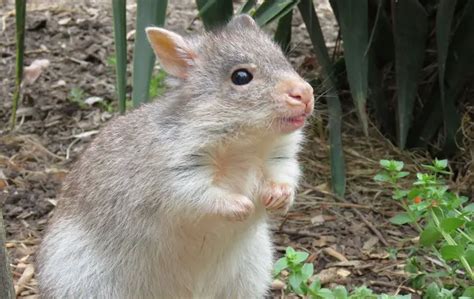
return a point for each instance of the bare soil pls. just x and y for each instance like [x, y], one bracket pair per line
[350, 240]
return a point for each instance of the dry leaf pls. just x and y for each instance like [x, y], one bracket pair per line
[3, 184]
[370, 243]
[34, 70]
[92, 100]
[278, 285]
[64, 21]
[60, 83]
[332, 252]
[25, 278]
[86, 134]
[343, 273]
[317, 220]
[130, 34]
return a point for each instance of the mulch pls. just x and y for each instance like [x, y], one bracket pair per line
[350, 239]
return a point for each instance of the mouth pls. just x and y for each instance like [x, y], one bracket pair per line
[292, 123]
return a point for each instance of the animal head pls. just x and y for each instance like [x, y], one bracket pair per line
[234, 78]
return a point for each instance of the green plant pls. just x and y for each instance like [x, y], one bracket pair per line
[300, 281]
[338, 173]
[443, 218]
[157, 84]
[20, 21]
[76, 95]
[111, 61]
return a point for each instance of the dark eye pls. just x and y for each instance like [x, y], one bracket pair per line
[241, 77]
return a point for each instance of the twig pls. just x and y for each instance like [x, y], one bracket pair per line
[371, 227]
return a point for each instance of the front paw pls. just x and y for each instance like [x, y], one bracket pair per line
[277, 196]
[237, 207]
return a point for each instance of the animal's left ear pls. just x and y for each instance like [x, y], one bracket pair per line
[243, 21]
[172, 50]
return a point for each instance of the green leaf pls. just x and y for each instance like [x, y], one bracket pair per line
[451, 224]
[283, 32]
[272, 10]
[469, 255]
[338, 173]
[398, 165]
[295, 282]
[307, 271]
[325, 293]
[412, 265]
[399, 194]
[340, 292]
[363, 293]
[429, 236]
[440, 164]
[402, 174]
[457, 72]
[315, 285]
[120, 36]
[432, 291]
[451, 252]
[469, 208]
[385, 164]
[215, 13]
[353, 20]
[280, 265]
[300, 257]
[20, 20]
[401, 218]
[469, 292]
[149, 12]
[382, 177]
[157, 84]
[290, 251]
[247, 7]
[444, 20]
[411, 29]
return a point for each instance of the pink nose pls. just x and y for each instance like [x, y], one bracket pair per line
[302, 92]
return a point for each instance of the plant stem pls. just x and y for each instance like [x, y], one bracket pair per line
[20, 11]
[451, 241]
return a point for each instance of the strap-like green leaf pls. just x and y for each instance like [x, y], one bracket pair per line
[458, 70]
[120, 34]
[311, 21]
[283, 32]
[214, 13]
[353, 19]
[149, 12]
[411, 29]
[20, 19]
[272, 10]
[247, 7]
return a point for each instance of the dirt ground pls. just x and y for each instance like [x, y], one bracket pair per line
[350, 240]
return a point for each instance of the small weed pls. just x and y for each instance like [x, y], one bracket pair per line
[299, 280]
[112, 61]
[76, 95]
[444, 220]
[157, 84]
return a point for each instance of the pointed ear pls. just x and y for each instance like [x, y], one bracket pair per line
[243, 21]
[174, 54]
